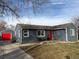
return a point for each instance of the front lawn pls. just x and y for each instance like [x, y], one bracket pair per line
[53, 51]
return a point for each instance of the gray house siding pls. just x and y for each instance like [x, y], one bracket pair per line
[32, 36]
[71, 38]
[59, 34]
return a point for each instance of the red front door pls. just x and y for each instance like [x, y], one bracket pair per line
[50, 35]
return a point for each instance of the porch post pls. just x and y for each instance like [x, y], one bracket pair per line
[66, 35]
[77, 33]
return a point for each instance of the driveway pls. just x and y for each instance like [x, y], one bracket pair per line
[14, 53]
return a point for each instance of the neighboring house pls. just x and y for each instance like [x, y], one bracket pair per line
[26, 33]
[9, 31]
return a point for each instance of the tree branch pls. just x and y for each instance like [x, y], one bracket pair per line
[7, 6]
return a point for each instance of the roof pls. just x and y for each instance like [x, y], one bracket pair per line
[29, 26]
[63, 25]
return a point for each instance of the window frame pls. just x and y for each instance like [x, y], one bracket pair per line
[40, 35]
[26, 33]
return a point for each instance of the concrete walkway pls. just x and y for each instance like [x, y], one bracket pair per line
[13, 52]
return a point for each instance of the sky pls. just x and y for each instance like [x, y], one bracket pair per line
[54, 13]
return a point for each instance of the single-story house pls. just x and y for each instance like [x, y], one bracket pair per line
[26, 33]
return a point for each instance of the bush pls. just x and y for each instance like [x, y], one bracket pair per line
[13, 39]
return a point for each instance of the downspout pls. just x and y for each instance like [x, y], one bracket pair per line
[66, 35]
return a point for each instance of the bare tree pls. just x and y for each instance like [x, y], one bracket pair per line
[36, 4]
[9, 7]
[76, 21]
[2, 25]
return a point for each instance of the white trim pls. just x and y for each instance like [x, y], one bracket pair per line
[26, 33]
[40, 35]
[77, 33]
[18, 33]
[66, 35]
[59, 28]
[21, 35]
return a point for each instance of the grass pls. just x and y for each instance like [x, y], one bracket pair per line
[53, 51]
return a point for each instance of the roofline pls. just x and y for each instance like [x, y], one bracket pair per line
[30, 26]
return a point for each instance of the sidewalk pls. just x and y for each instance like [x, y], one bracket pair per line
[13, 51]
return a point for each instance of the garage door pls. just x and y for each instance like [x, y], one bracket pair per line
[59, 35]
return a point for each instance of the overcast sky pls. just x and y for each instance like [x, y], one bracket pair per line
[57, 12]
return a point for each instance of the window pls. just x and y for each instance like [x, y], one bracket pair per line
[41, 33]
[26, 33]
[72, 32]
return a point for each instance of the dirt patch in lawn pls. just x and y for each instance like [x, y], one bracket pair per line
[53, 51]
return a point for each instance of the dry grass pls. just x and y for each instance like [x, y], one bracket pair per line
[54, 51]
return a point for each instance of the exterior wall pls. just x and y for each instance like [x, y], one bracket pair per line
[33, 37]
[19, 39]
[71, 38]
[59, 35]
